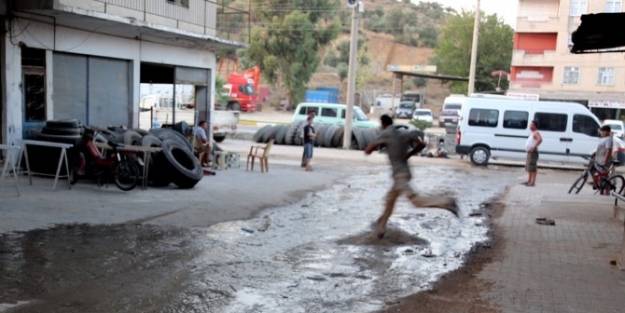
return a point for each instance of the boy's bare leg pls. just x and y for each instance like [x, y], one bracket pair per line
[445, 203]
[391, 198]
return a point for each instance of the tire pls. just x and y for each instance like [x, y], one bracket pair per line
[234, 106]
[281, 134]
[184, 167]
[360, 138]
[151, 141]
[183, 128]
[64, 124]
[269, 134]
[141, 132]
[327, 137]
[72, 139]
[579, 183]
[258, 136]
[126, 174]
[159, 174]
[114, 137]
[615, 184]
[297, 140]
[321, 131]
[371, 135]
[337, 139]
[479, 155]
[290, 134]
[61, 131]
[219, 138]
[133, 138]
[169, 134]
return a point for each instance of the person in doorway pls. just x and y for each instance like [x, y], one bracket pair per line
[397, 147]
[201, 143]
[309, 142]
[531, 164]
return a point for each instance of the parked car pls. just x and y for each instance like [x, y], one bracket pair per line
[405, 109]
[499, 128]
[617, 126]
[331, 114]
[413, 96]
[452, 107]
[423, 115]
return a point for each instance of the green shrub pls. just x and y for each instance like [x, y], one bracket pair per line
[422, 125]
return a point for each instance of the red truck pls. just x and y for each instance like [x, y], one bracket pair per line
[242, 90]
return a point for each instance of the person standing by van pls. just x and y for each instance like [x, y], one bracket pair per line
[397, 144]
[309, 141]
[531, 164]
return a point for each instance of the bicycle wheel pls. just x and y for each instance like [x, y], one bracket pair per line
[125, 174]
[615, 184]
[579, 183]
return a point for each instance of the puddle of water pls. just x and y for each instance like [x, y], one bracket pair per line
[317, 255]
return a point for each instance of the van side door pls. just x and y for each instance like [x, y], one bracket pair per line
[511, 137]
[556, 139]
[328, 116]
[584, 138]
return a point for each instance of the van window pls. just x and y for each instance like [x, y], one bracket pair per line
[483, 117]
[306, 109]
[586, 125]
[452, 106]
[515, 119]
[552, 122]
[328, 112]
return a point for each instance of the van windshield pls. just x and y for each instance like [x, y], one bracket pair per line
[423, 113]
[615, 127]
[453, 106]
[406, 105]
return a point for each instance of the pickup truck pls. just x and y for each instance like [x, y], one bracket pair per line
[224, 122]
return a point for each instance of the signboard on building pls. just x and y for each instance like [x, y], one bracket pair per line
[412, 68]
[607, 104]
[523, 96]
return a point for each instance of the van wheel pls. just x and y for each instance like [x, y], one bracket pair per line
[479, 156]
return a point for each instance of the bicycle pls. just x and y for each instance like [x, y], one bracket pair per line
[121, 167]
[610, 182]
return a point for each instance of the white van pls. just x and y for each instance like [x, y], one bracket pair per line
[499, 128]
[450, 113]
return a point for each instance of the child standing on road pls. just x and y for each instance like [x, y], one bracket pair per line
[531, 164]
[397, 144]
[309, 141]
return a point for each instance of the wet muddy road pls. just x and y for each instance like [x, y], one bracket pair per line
[317, 255]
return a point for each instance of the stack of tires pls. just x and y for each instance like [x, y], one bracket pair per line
[45, 159]
[176, 163]
[329, 136]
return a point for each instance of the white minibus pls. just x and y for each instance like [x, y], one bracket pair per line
[499, 128]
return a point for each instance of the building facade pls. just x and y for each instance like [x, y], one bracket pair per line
[542, 63]
[89, 60]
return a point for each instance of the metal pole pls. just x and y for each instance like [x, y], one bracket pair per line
[476, 35]
[351, 78]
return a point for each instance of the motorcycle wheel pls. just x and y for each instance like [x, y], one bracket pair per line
[126, 174]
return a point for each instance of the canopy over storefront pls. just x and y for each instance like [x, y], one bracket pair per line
[600, 33]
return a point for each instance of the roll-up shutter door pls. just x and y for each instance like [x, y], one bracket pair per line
[69, 86]
[192, 76]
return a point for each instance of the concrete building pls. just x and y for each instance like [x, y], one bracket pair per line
[543, 65]
[89, 59]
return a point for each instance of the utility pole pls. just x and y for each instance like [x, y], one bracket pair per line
[476, 38]
[351, 76]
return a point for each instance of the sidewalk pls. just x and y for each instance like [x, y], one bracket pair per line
[539, 269]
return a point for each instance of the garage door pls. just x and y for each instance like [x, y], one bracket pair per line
[93, 90]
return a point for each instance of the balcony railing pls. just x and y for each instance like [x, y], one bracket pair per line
[206, 17]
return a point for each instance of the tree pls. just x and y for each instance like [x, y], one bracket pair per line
[286, 46]
[453, 51]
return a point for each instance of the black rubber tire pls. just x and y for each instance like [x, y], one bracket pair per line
[281, 134]
[73, 139]
[270, 134]
[321, 132]
[61, 131]
[337, 139]
[473, 155]
[151, 141]
[360, 138]
[126, 174]
[579, 183]
[113, 136]
[159, 174]
[170, 134]
[370, 134]
[64, 124]
[219, 138]
[184, 166]
[616, 184]
[291, 133]
[234, 106]
[141, 132]
[326, 141]
[133, 138]
[298, 140]
[183, 128]
[260, 134]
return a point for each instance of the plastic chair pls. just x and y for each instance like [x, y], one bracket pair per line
[262, 153]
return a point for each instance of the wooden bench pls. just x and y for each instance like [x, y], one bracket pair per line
[619, 214]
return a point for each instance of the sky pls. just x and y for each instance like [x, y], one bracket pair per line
[504, 8]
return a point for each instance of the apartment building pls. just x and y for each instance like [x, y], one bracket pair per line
[88, 60]
[542, 63]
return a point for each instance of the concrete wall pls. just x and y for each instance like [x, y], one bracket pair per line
[42, 35]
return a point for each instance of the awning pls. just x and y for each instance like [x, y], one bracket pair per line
[600, 33]
[605, 104]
